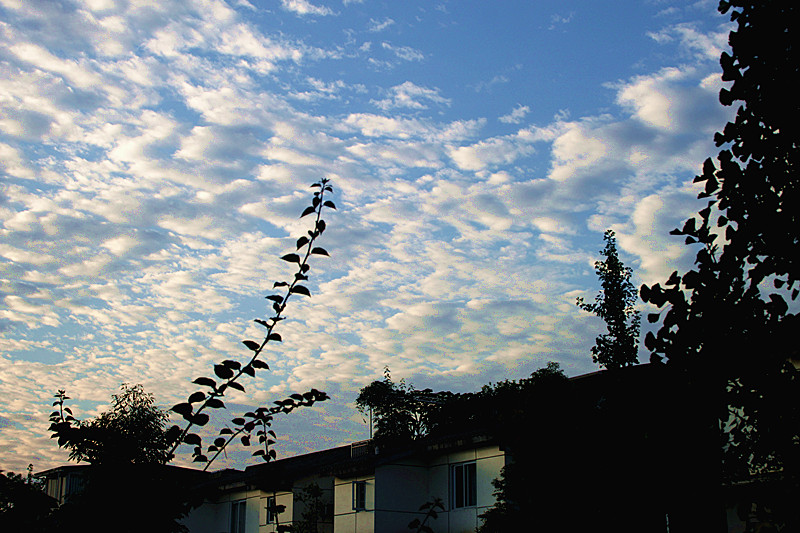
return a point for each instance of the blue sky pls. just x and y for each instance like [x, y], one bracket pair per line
[156, 155]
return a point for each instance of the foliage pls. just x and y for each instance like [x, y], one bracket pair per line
[727, 325]
[23, 504]
[615, 305]
[229, 371]
[727, 320]
[132, 432]
[399, 411]
[430, 508]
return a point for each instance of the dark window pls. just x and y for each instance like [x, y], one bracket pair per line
[271, 510]
[238, 511]
[464, 488]
[359, 495]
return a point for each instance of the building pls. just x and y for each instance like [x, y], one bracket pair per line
[358, 489]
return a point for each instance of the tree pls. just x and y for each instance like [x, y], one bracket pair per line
[727, 329]
[399, 411]
[23, 504]
[615, 305]
[132, 432]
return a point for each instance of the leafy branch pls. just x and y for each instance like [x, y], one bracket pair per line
[229, 371]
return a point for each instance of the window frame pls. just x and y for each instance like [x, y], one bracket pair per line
[272, 502]
[238, 516]
[463, 485]
[359, 495]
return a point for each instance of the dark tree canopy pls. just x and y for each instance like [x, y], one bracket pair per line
[615, 305]
[727, 323]
[133, 431]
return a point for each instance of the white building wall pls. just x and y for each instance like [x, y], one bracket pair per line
[346, 519]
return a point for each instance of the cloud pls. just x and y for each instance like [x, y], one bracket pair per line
[303, 7]
[410, 96]
[406, 53]
[516, 115]
[379, 25]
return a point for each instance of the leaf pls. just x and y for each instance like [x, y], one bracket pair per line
[275, 337]
[291, 258]
[219, 442]
[233, 365]
[308, 211]
[262, 322]
[226, 431]
[258, 452]
[237, 386]
[280, 284]
[330, 204]
[208, 382]
[245, 440]
[302, 241]
[192, 438]
[197, 397]
[215, 403]
[238, 421]
[320, 251]
[223, 372]
[300, 289]
[296, 396]
[182, 408]
[200, 459]
[258, 363]
[320, 226]
[249, 371]
[200, 419]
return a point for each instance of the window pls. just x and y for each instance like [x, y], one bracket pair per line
[271, 510]
[463, 486]
[238, 511]
[359, 495]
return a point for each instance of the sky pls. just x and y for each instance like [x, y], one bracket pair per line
[155, 157]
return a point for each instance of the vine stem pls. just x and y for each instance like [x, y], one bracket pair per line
[219, 392]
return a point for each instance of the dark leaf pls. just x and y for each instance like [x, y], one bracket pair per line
[253, 345]
[226, 431]
[237, 386]
[296, 396]
[320, 226]
[215, 403]
[219, 442]
[182, 408]
[330, 204]
[200, 459]
[258, 363]
[233, 365]
[192, 438]
[280, 284]
[302, 241]
[223, 372]
[320, 251]
[200, 419]
[300, 289]
[258, 452]
[238, 421]
[274, 337]
[262, 322]
[246, 440]
[308, 211]
[249, 371]
[208, 382]
[291, 258]
[275, 298]
[197, 397]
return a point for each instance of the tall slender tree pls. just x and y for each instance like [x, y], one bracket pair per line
[615, 304]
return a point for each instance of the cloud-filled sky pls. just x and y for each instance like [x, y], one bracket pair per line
[155, 157]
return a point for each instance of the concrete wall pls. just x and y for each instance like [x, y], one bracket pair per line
[347, 519]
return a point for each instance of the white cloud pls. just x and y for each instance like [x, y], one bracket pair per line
[411, 96]
[303, 7]
[516, 115]
[379, 25]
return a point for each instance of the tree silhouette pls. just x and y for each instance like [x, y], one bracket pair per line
[727, 327]
[615, 305]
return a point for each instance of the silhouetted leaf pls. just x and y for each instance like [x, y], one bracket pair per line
[330, 204]
[238, 421]
[237, 386]
[274, 337]
[249, 371]
[182, 408]
[215, 403]
[320, 251]
[226, 431]
[208, 382]
[308, 211]
[223, 372]
[219, 442]
[258, 363]
[253, 345]
[192, 438]
[280, 284]
[291, 258]
[245, 440]
[200, 459]
[197, 397]
[302, 241]
[233, 365]
[200, 419]
[300, 289]
[275, 298]
[262, 322]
